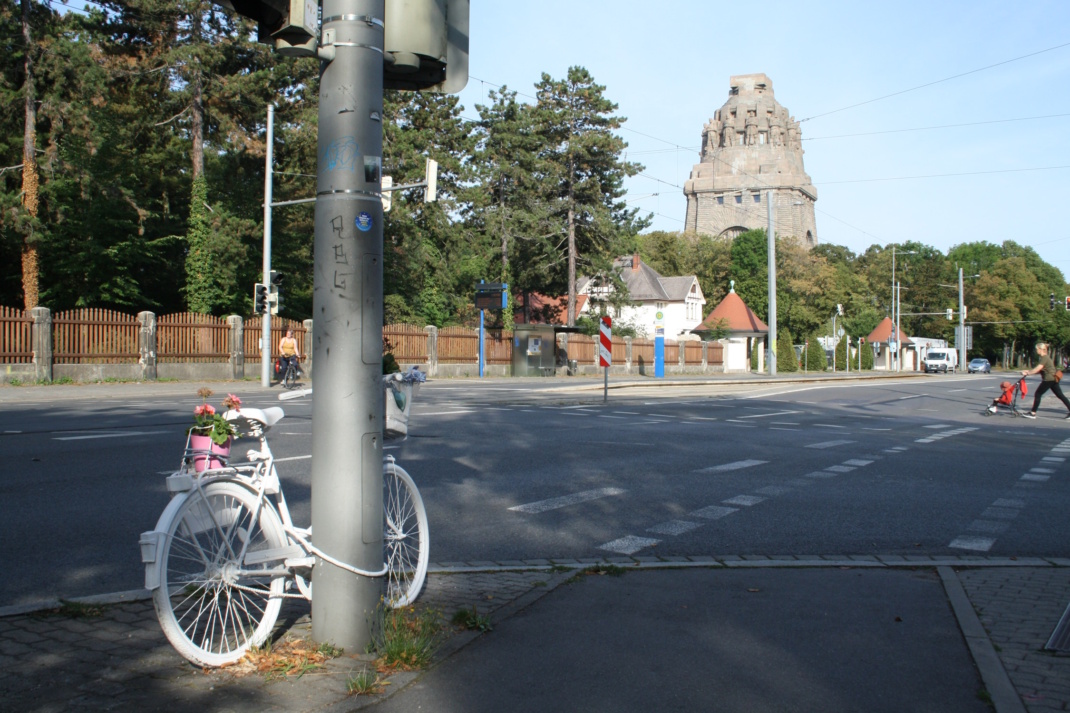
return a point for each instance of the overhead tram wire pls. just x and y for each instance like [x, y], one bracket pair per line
[945, 175]
[938, 81]
[931, 128]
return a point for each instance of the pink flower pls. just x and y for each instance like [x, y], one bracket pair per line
[232, 402]
[204, 410]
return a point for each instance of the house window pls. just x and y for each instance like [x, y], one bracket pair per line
[720, 200]
[661, 305]
[739, 199]
[757, 197]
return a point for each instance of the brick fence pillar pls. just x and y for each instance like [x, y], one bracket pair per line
[236, 347]
[41, 337]
[146, 346]
[432, 350]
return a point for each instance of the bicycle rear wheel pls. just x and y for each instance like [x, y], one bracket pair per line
[290, 380]
[214, 602]
[405, 538]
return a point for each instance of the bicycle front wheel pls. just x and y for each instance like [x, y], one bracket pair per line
[220, 590]
[405, 539]
[290, 379]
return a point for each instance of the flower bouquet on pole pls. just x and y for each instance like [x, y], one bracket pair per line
[211, 434]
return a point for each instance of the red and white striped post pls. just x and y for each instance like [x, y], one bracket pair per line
[605, 352]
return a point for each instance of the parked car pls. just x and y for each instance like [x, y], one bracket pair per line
[979, 366]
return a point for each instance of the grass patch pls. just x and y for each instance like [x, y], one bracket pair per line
[63, 380]
[472, 620]
[289, 657]
[14, 381]
[405, 639]
[366, 682]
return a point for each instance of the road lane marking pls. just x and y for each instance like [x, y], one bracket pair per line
[122, 434]
[737, 465]
[1035, 478]
[674, 527]
[713, 512]
[829, 425]
[629, 545]
[829, 444]
[915, 396]
[977, 544]
[766, 415]
[840, 468]
[939, 425]
[566, 500]
[858, 462]
[744, 500]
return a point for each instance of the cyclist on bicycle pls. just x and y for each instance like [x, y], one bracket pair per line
[288, 350]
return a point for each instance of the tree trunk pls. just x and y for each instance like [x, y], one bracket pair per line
[505, 240]
[197, 102]
[30, 262]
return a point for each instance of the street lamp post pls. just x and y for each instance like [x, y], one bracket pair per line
[962, 319]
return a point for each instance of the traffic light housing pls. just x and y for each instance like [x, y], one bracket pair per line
[292, 26]
[260, 299]
[950, 313]
[425, 45]
[274, 295]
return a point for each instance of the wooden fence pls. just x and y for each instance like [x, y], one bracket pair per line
[94, 336]
[191, 337]
[460, 345]
[407, 342]
[16, 336]
[582, 348]
[253, 331]
[692, 353]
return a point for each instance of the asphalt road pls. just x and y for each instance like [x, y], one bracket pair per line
[521, 470]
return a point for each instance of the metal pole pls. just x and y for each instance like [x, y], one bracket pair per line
[265, 324]
[347, 412]
[895, 321]
[481, 355]
[962, 327]
[898, 344]
[833, 342]
[772, 284]
[605, 386]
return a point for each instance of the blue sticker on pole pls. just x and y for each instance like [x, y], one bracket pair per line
[364, 221]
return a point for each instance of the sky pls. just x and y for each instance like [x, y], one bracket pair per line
[840, 68]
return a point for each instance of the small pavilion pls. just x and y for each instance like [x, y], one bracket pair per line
[885, 353]
[745, 331]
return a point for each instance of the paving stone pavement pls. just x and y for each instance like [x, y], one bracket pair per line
[115, 657]
[1019, 608]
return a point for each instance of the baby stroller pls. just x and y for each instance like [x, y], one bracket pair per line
[1012, 392]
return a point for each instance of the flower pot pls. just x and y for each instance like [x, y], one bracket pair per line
[203, 447]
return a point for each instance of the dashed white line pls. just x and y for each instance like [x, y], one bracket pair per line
[977, 544]
[629, 545]
[120, 434]
[737, 465]
[674, 527]
[713, 512]
[744, 500]
[566, 500]
[829, 444]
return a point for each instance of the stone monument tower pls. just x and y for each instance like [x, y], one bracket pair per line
[750, 146]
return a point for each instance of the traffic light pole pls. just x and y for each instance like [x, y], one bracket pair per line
[347, 412]
[962, 327]
[265, 324]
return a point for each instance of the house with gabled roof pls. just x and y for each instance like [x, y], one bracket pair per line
[679, 299]
[884, 356]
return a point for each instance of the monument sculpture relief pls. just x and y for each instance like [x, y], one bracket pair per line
[750, 146]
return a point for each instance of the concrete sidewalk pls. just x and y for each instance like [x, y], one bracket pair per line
[701, 633]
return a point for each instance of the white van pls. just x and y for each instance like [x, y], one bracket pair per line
[942, 360]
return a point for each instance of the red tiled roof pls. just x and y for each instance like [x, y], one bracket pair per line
[734, 314]
[884, 330]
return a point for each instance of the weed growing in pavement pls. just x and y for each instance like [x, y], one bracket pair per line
[597, 569]
[472, 620]
[366, 682]
[75, 610]
[63, 380]
[405, 639]
[14, 381]
[289, 657]
[560, 568]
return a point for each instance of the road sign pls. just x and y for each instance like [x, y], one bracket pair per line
[605, 342]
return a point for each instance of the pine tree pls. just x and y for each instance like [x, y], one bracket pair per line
[583, 175]
[786, 360]
[814, 355]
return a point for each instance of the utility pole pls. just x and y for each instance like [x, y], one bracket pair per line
[265, 325]
[772, 283]
[962, 327]
[347, 302]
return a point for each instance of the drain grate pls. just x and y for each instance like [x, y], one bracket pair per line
[1060, 638]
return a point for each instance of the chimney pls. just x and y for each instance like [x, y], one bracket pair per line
[635, 262]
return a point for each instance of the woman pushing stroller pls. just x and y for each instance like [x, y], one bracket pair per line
[1049, 376]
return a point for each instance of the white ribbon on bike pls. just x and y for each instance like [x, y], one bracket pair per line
[342, 565]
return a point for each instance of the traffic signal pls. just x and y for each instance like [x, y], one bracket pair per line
[425, 45]
[950, 313]
[260, 297]
[839, 310]
[274, 295]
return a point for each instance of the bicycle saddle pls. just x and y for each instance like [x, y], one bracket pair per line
[267, 417]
